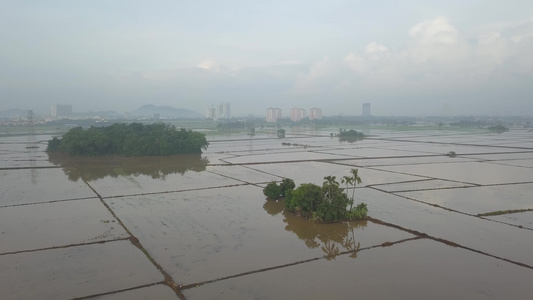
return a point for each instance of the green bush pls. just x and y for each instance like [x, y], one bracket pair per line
[359, 212]
[286, 185]
[333, 210]
[305, 199]
[272, 190]
[53, 145]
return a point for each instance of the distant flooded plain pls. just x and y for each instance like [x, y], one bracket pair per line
[199, 227]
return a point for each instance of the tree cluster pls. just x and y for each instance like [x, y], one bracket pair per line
[350, 135]
[274, 190]
[498, 129]
[328, 203]
[133, 139]
[231, 125]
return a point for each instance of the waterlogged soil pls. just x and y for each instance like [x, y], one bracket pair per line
[209, 234]
[56, 224]
[199, 227]
[477, 234]
[29, 186]
[479, 199]
[75, 271]
[314, 172]
[159, 292]
[420, 269]
[411, 160]
[523, 219]
[479, 173]
[422, 185]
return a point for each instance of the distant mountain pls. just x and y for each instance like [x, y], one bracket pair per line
[165, 111]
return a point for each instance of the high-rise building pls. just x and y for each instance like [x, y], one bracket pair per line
[227, 110]
[297, 114]
[211, 112]
[366, 110]
[61, 110]
[223, 111]
[273, 114]
[315, 114]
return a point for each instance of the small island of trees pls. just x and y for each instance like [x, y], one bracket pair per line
[349, 135]
[498, 129]
[133, 139]
[328, 203]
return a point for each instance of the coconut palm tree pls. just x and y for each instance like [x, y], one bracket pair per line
[329, 184]
[355, 180]
[348, 180]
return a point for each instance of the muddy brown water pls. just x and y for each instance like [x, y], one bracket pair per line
[203, 229]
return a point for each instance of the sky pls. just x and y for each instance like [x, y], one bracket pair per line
[409, 58]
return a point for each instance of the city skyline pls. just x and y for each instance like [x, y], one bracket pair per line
[413, 58]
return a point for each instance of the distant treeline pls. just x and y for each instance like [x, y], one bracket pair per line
[498, 129]
[133, 139]
[232, 125]
[350, 135]
[343, 133]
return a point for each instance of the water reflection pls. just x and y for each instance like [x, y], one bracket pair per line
[332, 239]
[32, 153]
[157, 167]
[349, 139]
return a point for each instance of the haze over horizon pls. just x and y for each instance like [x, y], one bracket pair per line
[404, 57]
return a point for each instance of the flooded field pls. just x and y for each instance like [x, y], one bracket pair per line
[199, 226]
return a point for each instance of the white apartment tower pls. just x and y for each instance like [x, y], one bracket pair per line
[61, 110]
[211, 112]
[315, 114]
[223, 111]
[273, 114]
[297, 114]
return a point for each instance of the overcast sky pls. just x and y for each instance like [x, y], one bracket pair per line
[404, 57]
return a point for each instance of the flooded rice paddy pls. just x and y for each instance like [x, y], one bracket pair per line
[199, 227]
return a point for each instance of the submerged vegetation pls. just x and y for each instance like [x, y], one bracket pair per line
[504, 212]
[133, 139]
[274, 191]
[328, 203]
[350, 135]
[498, 129]
[295, 145]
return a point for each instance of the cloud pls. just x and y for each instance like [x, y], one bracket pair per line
[374, 47]
[438, 60]
[211, 66]
[435, 31]
[437, 41]
[321, 77]
[436, 50]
